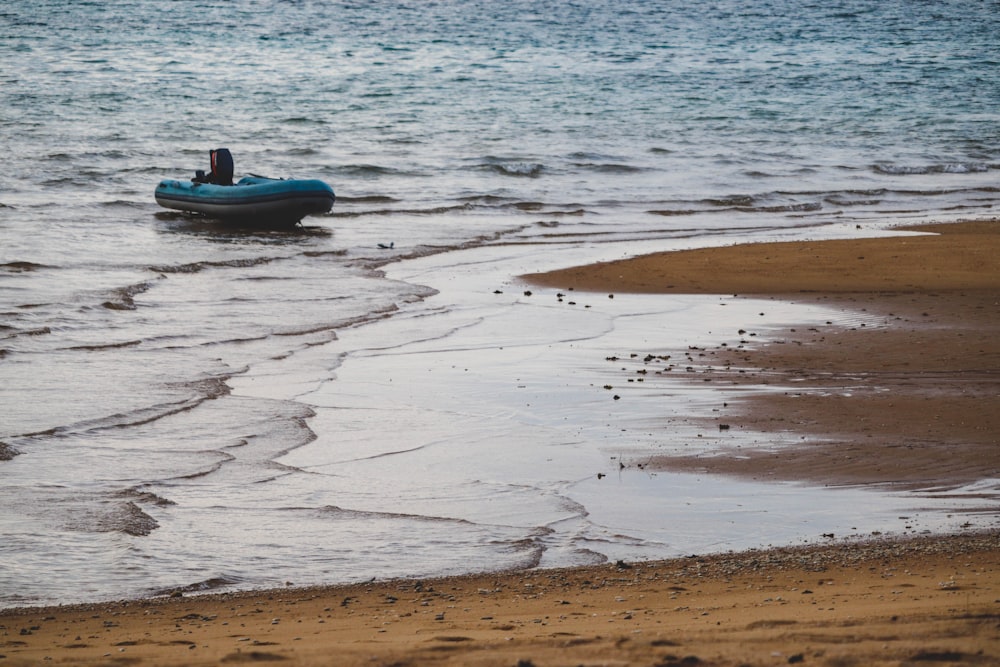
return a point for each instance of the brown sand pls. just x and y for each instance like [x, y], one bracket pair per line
[927, 601]
[959, 256]
[922, 412]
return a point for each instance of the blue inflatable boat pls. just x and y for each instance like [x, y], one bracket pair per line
[252, 200]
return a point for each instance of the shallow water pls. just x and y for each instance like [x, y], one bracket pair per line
[191, 406]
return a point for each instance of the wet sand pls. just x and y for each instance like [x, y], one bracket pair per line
[908, 397]
[907, 400]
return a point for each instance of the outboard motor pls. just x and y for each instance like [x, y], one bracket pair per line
[222, 166]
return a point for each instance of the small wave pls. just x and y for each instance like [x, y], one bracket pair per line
[518, 169]
[577, 212]
[215, 467]
[587, 156]
[507, 203]
[121, 203]
[126, 518]
[147, 497]
[325, 253]
[532, 552]
[947, 168]
[680, 211]
[367, 199]
[22, 267]
[487, 200]
[731, 200]
[874, 192]
[369, 170]
[7, 452]
[195, 267]
[40, 331]
[609, 168]
[847, 201]
[329, 333]
[782, 208]
[215, 583]
[208, 388]
[437, 210]
[123, 298]
[105, 346]
[341, 513]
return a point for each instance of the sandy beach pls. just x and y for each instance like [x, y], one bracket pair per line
[907, 398]
[919, 601]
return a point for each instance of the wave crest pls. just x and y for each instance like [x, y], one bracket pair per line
[211, 584]
[195, 267]
[923, 170]
[21, 267]
[126, 518]
[123, 297]
[519, 169]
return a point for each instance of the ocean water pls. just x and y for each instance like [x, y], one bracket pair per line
[187, 406]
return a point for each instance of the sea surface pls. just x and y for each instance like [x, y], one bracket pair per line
[188, 406]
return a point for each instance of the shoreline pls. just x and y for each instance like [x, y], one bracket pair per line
[861, 602]
[860, 396]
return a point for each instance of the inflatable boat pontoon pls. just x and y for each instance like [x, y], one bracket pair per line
[252, 200]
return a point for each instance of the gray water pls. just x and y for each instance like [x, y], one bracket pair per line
[189, 406]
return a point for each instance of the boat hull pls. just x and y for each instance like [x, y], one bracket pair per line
[253, 200]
